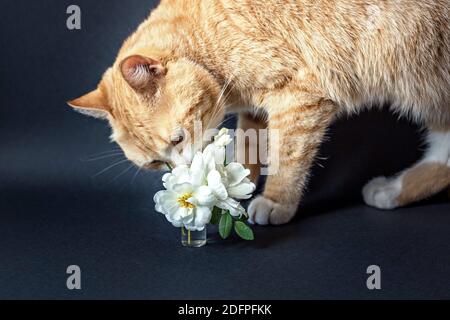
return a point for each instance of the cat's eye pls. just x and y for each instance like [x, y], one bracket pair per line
[177, 140]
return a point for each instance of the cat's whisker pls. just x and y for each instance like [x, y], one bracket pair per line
[103, 157]
[222, 122]
[122, 173]
[218, 106]
[222, 107]
[101, 154]
[260, 113]
[216, 112]
[223, 96]
[135, 175]
[109, 167]
[104, 152]
[224, 88]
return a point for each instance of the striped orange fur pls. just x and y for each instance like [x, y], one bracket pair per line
[301, 63]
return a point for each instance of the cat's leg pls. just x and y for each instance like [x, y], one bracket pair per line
[300, 127]
[250, 124]
[426, 178]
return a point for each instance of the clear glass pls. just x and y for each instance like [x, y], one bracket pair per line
[193, 238]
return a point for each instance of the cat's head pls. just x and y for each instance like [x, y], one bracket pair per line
[153, 104]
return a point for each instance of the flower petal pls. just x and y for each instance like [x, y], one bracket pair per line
[204, 196]
[219, 156]
[216, 185]
[175, 223]
[197, 162]
[173, 211]
[181, 171]
[178, 175]
[213, 156]
[182, 188]
[242, 190]
[188, 216]
[197, 170]
[202, 217]
[209, 156]
[236, 173]
[165, 179]
[163, 199]
[232, 205]
[222, 138]
[222, 141]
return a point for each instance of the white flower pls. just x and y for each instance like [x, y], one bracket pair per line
[185, 202]
[192, 191]
[214, 156]
[238, 185]
[228, 183]
[222, 138]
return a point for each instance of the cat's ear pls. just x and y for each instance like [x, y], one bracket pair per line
[93, 104]
[142, 73]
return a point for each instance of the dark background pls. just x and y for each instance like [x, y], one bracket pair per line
[55, 211]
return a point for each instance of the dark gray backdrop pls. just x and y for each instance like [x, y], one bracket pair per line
[55, 212]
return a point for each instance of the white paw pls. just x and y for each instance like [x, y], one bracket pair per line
[382, 193]
[264, 211]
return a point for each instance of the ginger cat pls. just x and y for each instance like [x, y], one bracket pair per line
[301, 64]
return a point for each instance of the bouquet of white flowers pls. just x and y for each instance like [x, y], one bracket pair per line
[207, 191]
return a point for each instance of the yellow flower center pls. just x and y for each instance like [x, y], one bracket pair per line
[182, 201]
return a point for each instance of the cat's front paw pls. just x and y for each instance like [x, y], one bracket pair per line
[264, 211]
[382, 192]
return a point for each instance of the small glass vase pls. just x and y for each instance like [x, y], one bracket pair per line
[193, 239]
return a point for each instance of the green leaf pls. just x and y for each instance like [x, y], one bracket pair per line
[216, 215]
[225, 224]
[243, 230]
[243, 218]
